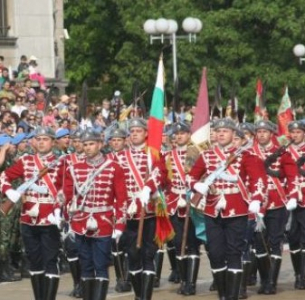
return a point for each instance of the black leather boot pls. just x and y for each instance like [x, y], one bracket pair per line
[296, 260]
[193, 262]
[263, 266]
[51, 287]
[37, 281]
[88, 288]
[136, 282]
[243, 285]
[6, 271]
[76, 275]
[100, 289]
[252, 276]
[275, 265]
[213, 286]
[233, 280]
[174, 275]
[147, 285]
[182, 269]
[158, 267]
[122, 285]
[220, 281]
[302, 271]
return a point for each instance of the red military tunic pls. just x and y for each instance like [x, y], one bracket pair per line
[111, 155]
[175, 162]
[99, 201]
[73, 158]
[24, 168]
[135, 164]
[296, 152]
[243, 166]
[288, 176]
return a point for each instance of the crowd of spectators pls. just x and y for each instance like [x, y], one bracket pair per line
[23, 108]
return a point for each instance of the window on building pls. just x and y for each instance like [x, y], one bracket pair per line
[3, 19]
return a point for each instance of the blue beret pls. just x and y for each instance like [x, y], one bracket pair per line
[5, 139]
[62, 132]
[18, 138]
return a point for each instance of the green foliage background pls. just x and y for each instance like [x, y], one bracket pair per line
[241, 41]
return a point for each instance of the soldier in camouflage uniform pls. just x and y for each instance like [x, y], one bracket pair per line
[20, 141]
[7, 232]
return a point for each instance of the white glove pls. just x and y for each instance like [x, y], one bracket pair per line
[145, 195]
[55, 218]
[201, 187]
[13, 195]
[254, 206]
[117, 234]
[291, 204]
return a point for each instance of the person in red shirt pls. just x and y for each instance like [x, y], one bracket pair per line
[95, 193]
[282, 195]
[227, 202]
[40, 212]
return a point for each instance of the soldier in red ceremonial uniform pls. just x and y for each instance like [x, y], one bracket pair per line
[296, 234]
[69, 242]
[227, 204]
[117, 142]
[40, 212]
[282, 196]
[250, 263]
[176, 162]
[90, 189]
[141, 184]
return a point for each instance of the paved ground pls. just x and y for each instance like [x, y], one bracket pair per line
[22, 290]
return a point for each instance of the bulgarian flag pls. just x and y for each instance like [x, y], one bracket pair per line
[164, 230]
[284, 114]
[156, 118]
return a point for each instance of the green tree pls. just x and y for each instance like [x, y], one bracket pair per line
[241, 41]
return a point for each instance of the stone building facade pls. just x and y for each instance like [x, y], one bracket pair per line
[33, 27]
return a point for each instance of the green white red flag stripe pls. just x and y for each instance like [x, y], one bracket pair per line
[156, 118]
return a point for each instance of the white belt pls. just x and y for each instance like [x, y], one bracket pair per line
[178, 191]
[40, 200]
[227, 191]
[134, 195]
[101, 209]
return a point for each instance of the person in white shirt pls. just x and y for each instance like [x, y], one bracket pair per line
[18, 108]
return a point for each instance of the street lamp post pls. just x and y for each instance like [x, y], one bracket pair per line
[164, 29]
[299, 51]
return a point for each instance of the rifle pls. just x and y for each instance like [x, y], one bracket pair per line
[300, 164]
[220, 173]
[7, 205]
[209, 180]
[140, 228]
[142, 213]
[272, 159]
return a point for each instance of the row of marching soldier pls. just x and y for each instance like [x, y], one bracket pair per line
[246, 190]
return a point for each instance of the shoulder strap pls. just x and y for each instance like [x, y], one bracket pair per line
[240, 183]
[46, 178]
[178, 163]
